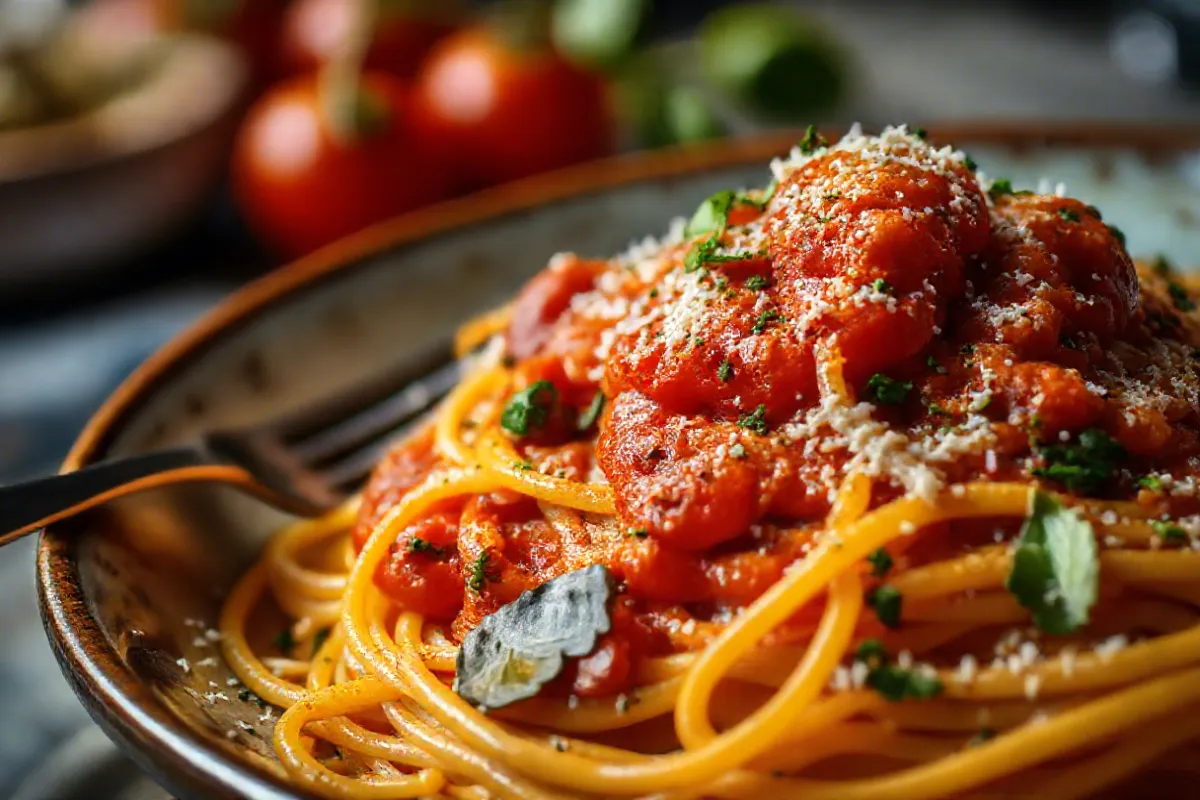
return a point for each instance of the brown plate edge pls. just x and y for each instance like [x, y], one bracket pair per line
[121, 704]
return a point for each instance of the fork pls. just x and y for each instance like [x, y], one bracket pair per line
[307, 462]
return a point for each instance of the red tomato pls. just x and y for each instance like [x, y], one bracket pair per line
[301, 187]
[314, 30]
[510, 113]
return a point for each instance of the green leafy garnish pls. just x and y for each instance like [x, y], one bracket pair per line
[999, 188]
[755, 421]
[636, 533]
[765, 319]
[881, 286]
[284, 641]
[893, 682]
[811, 141]
[418, 545]
[920, 133]
[1168, 531]
[712, 216]
[886, 602]
[1179, 297]
[969, 162]
[888, 390]
[933, 364]
[1055, 569]
[592, 413]
[1082, 466]
[880, 561]
[1068, 214]
[1151, 482]
[479, 572]
[529, 408]
[1093, 212]
[756, 283]
[1162, 266]
[725, 371]
[525, 644]
[1117, 234]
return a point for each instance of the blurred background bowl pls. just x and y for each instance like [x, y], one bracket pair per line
[88, 191]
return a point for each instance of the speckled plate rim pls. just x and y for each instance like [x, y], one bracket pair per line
[124, 706]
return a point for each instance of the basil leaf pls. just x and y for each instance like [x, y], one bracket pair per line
[1055, 569]
[592, 413]
[1083, 465]
[712, 215]
[524, 645]
[529, 408]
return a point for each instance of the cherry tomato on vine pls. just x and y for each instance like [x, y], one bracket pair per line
[402, 33]
[301, 185]
[509, 112]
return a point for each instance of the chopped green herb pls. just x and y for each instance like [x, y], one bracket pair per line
[284, 642]
[743, 198]
[888, 390]
[624, 703]
[886, 602]
[984, 734]
[921, 133]
[697, 341]
[636, 533]
[1068, 214]
[319, 639]
[969, 163]
[523, 465]
[999, 188]
[244, 695]
[871, 652]
[812, 141]
[712, 216]
[418, 545]
[881, 286]
[529, 408]
[896, 683]
[1094, 212]
[479, 573]
[1162, 266]
[1168, 531]
[967, 349]
[725, 371]
[1055, 568]
[765, 319]
[939, 409]
[1151, 482]
[1117, 234]
[755, 421]
[653, 293]
[880, 561]
[756, 283]
[933, 364]
[1081, 466]
[1179, 297]
[592, 413]
[737, 450]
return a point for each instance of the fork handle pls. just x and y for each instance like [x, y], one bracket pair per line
[27, 507]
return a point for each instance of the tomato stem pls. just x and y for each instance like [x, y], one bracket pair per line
[340, 79]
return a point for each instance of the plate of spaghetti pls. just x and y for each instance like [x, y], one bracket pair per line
[878, 480]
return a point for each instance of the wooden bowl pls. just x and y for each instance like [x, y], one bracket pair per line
[128, 592]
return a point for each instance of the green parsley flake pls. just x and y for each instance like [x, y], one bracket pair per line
[1162, 266]
[765, 319]
[812, 141]
[592, 413]
[529, 408]
[1117, 234]
[756, 283]
[1055, 569]
[999, 188]
[284, 642]
[636, 533]
[725, 371]
[886, 602]
[755, 421]
[1082, 466]
[479, 573]
[1068, 214]
[893, 682]
[881, 286]
[1093, 212]
[1179, 297]
[933, 364]
[418, 545]
[880, 561]
[888, 390]
[1151, 482]
[970, 163]
[1168, 531]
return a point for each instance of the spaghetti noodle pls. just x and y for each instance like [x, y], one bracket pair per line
[890, 474]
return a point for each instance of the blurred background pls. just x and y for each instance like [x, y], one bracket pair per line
[157, 154]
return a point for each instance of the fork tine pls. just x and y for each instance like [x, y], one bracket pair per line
[312, 421]
[374, 422]
[351, 472]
